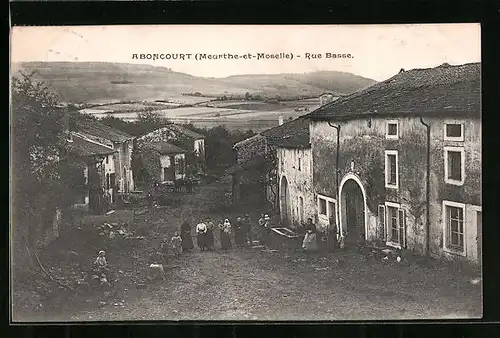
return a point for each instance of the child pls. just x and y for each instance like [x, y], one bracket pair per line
[164, 250]
[155, 270]
[100, 261]
[176, 243]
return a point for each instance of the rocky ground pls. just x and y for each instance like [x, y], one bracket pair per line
[242, 284]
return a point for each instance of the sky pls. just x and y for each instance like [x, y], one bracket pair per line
[379, 51]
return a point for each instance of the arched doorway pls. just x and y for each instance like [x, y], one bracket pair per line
[284, 199]
[353, 211]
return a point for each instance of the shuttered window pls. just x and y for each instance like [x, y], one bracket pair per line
[402, 227]
[381, 222]
[395, 224]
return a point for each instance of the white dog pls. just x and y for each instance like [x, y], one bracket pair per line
[156, 271]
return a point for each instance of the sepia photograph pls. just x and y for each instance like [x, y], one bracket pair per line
[245, 173]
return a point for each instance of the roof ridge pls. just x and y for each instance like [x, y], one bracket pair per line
[85, 138]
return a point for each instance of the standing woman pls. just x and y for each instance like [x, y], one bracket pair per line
[309, 243]
[201, 232]
[210, 235]
[187, 240]
[239, 232]
[225, 235]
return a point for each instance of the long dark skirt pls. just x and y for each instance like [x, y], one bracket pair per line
[187, 241]
[239, 237]
[210, 239]
[202, 241]
[225, 240]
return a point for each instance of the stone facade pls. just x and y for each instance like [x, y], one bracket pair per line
[195, 145]
[296, 190]
[176, 164]
[363, 146]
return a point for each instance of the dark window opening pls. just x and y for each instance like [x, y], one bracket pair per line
[322, 206]
[455, 165]
[392, 129]
[454, 130]
[391, 169]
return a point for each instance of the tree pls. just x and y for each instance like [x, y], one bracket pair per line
[44, 176]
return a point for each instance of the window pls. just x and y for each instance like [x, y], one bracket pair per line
[454, 231]
[392, 130]
[300, 163]
[322, 206]
[395, 224]
[454, 131]
[107, 159]
[327, 208]
[391, 169]
[454, 165]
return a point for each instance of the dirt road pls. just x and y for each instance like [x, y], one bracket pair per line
[255, 285]
[252, 284]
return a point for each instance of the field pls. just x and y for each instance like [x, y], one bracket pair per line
[124, 90]
[96, 82]
[235, 114]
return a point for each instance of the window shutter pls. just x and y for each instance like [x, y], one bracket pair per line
[402, 227]
[381, 220]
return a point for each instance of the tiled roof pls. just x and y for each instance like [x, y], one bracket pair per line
[166, 148]
[180, 129]
[248, 141]
[99, 129]
[186, 131]
[444, 90]
[293, 134]
[84, 147]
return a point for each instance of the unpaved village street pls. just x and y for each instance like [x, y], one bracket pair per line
[255, 284]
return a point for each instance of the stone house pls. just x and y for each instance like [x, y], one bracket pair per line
[271, 158]
[400, 162]
[248, 174]
[327, 97]
[193, 143]
[98, 172]
[172, 161]
[122, 143]
[294, 171]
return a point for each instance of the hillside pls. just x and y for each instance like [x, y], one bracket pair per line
[105, 82]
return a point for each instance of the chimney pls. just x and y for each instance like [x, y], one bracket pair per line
[280, 120]
[402, 70]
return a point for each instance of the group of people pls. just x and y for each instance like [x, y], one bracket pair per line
[241, 233]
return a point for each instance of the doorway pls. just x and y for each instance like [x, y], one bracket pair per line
[353, 213]
[284, 199]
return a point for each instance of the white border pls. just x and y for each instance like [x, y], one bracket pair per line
[456, 149]
[328, 211]
[339, 198]
[450, 138]
[387, 185]
[397, 206]
[445, 230]
[391, 137]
